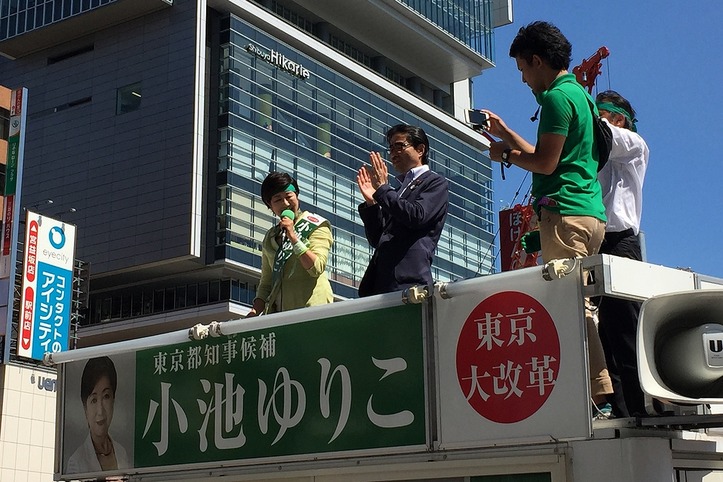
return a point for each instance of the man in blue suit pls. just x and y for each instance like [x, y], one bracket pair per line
[402, 224]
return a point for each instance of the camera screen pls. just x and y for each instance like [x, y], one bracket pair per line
[476, 117]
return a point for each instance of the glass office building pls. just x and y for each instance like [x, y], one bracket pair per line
[469, 21]
[20, 16]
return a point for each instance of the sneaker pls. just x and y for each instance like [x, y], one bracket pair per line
[603, 411]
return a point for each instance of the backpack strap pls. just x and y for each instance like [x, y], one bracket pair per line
[601, 131]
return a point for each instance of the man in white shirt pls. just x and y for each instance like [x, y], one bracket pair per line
[621, 179]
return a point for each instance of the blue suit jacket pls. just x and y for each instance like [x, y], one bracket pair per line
[404, 231]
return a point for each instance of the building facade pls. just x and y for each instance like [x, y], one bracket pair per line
[152, 124]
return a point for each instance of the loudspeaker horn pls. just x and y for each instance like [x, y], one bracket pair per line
[680, 347]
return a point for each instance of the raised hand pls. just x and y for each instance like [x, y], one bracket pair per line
[497, 126]
[287, 226]
[366, 186]
[379, 174]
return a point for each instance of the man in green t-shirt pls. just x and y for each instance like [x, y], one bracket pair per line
[563, 162]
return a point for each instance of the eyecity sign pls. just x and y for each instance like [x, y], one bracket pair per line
[278, 59]
[47, 288]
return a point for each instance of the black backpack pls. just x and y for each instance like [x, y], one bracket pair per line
[603, 136]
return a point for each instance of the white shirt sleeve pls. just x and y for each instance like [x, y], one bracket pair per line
[621, 179]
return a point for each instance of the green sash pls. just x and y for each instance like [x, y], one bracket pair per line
[304, 227]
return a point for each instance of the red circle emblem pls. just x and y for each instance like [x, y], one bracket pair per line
[508, 357]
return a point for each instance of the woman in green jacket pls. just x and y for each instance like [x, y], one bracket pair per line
[293, 253]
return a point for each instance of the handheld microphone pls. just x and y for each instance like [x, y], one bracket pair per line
[286, 213]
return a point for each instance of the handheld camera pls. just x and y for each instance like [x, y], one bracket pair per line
[477, 119]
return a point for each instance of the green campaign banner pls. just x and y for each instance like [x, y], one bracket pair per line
[352, 382]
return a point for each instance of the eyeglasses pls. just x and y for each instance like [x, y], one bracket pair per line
[398, 146]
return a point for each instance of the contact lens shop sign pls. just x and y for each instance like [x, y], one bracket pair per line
[44, 324]
[352, 382]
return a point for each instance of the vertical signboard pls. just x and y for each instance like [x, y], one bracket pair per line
[16, 137]
[11, 210]
[514, 224]
[47, 289]
[510, 361]
[301, 390]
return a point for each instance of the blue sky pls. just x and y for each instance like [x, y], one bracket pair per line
[665, 57]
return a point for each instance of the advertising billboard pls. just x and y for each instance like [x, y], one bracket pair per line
[509, 361]
[47, 288]
[483, 363]
[345, 384]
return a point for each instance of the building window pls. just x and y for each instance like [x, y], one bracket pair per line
[128, 98]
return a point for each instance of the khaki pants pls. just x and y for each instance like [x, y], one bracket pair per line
[569, 236]
[576, 237]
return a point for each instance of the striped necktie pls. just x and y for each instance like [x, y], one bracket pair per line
[408, 178]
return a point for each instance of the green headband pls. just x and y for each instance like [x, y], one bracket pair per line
[610, 107]
[289, 188]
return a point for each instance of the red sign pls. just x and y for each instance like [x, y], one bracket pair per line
[16, 107]
[8, 225]
[31, 264]
[26, 324]
[514, 223]
[32, 261]
[508, 357]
